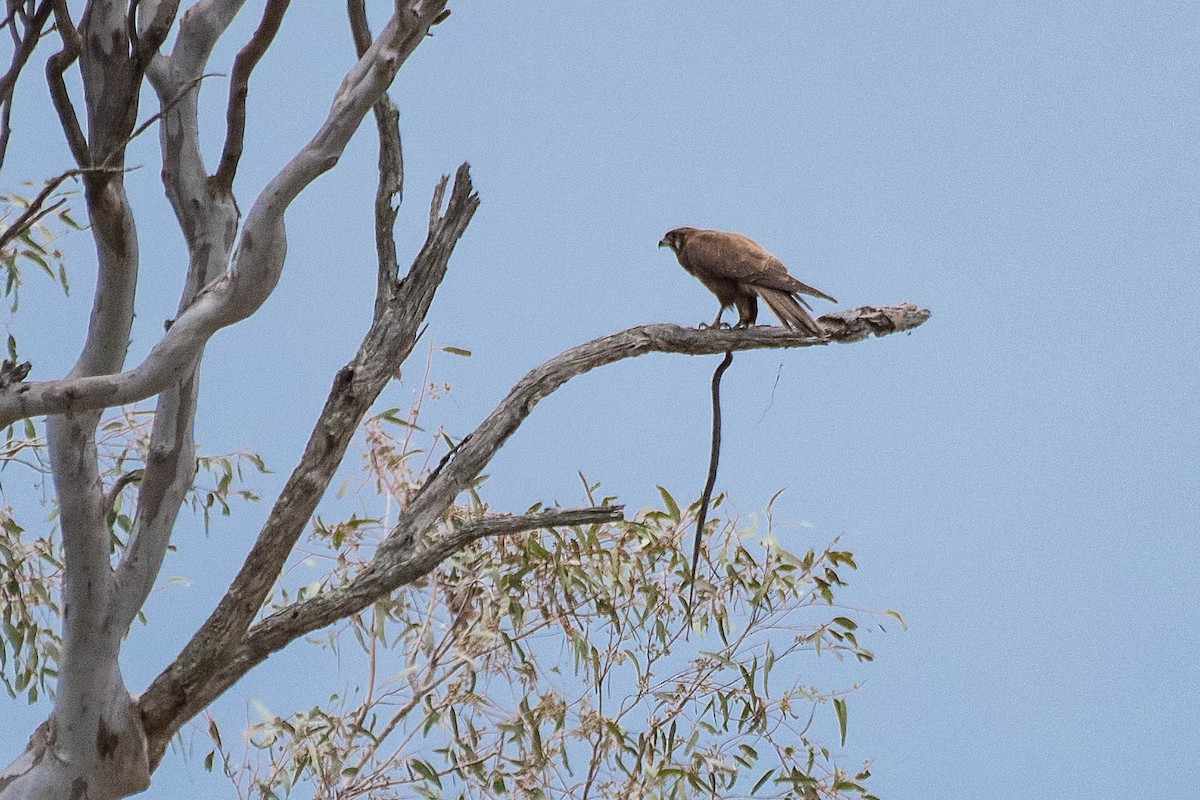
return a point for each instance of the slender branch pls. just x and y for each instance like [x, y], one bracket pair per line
[114, 491]
[207, 219]
[34, 211]
[360, 30]
[235, 115]
[24, 44]
[169, 473]
[170, 104]
[56, 66]
[43, 397]
[476, 451]
[390, 188]
[387, 572]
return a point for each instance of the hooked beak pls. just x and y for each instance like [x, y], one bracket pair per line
[663, 243]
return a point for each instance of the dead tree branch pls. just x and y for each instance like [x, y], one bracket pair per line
[389, 191]
[24, 43]
[387, 343]
[190, 682]
[477, 449]
[239, 89]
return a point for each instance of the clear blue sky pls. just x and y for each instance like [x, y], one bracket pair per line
[1020, 477]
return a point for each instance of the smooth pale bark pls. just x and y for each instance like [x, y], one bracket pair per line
[94, 744]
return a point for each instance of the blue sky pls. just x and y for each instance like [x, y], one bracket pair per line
[1020, 477]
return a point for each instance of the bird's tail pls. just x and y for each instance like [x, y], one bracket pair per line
[790, 312]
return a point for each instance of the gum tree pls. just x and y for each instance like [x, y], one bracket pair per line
[100, 740]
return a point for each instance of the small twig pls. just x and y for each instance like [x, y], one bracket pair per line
[239, 88]
[110, 497]
[771, 399]
[187, 87]
[442, 464]
[35, 212]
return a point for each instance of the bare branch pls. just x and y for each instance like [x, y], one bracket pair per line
[477, 449]
[170, 104]
[169, 473]
[239, 88]
[56, 66]
[208, 220]
[184, 681]
[360, 30]
[24, 44]
[199, 29]
[390, 189]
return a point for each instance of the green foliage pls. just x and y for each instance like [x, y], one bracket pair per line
[33, 245]
[31, 561]
[29, 609]
[559, 663]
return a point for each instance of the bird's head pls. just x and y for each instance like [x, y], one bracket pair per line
[673, 239]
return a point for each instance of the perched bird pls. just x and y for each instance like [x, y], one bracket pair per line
[738, 271]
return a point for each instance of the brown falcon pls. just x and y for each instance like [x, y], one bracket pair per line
[738, 271]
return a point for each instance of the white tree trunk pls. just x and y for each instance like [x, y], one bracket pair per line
[114, 764]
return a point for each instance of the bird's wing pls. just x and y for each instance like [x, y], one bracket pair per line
[725, 255]
[732, 256]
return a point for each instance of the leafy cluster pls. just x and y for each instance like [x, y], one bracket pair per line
[31, 562]
[29, 609]
[27, 238]
[563, 664]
